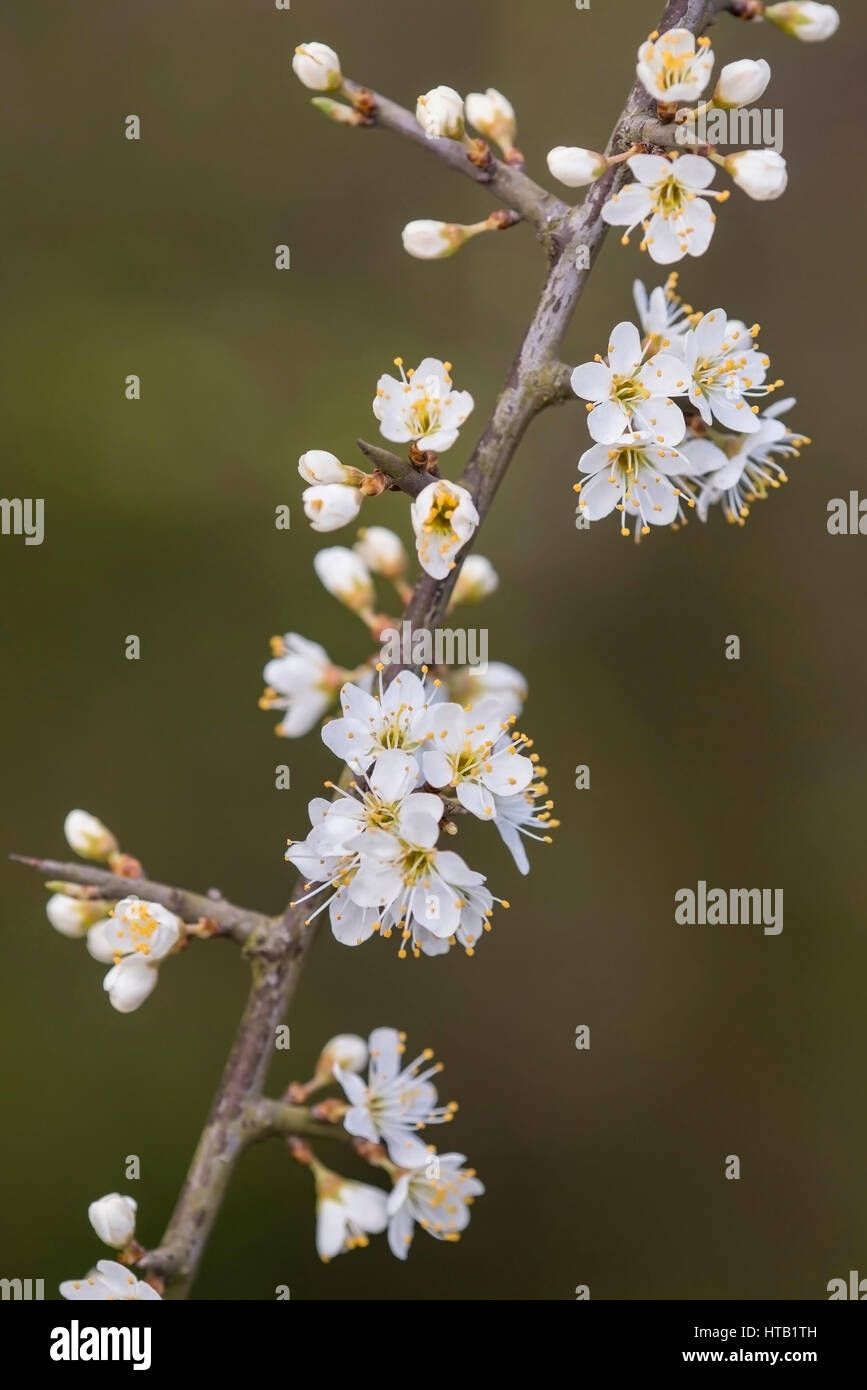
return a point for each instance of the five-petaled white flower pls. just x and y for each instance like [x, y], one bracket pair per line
[108, 1281]
[667, 197]
[372, 724]
[437, 1196]
[300, 679]
[638, 477]
[421, 406]
[629, 388]
[674, 67]
[346, 1212]
[724, 369]
[444, 518]
[473, 751]
[143, 928]
[396, 1101]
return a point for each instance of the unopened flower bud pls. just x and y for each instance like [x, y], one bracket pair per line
[440, 113]
[431, 241]
[806, 20]
[88, 836]
[74, 917]
[476, 581]
[493, 116]
[345, 576]
[318, 466]
[575, 166]
[382, 551]
[317, 66]
[331, 505]
[760, 173]
[741, 83]
[346, 1051]
[113, 1219]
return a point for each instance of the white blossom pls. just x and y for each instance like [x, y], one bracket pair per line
[346, 577]
[143, 928]
[668, 198]
[741, 83]
[329, 506]
[742, 469]
[574, 166]
[725, 369]
[108, 1281]
[437, 1196]
[627, 388]
[805, 19]
[440, 113]
[371, 724]
[88, 836]
[476, 581]
[473, 751]
[674, 67]
[346, 1213]
[760, 173]
[113, 1219]
[317, 66]
[429, 895]
[444, 518]
[74, 917]
[382, 551]
[639, 478]
[421, 406]
[396, 1101]
[302, 680]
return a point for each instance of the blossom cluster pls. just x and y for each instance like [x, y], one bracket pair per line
[670, 195]
[421, 408]
[132, 936]
[671, 416]
[303, 682]
[415, 762]
[385, 1114]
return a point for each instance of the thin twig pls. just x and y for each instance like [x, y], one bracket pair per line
[237, 922]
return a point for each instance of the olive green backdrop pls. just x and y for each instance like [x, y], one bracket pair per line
[156, 258]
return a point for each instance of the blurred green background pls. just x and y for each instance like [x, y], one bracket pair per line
[603, 1168]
